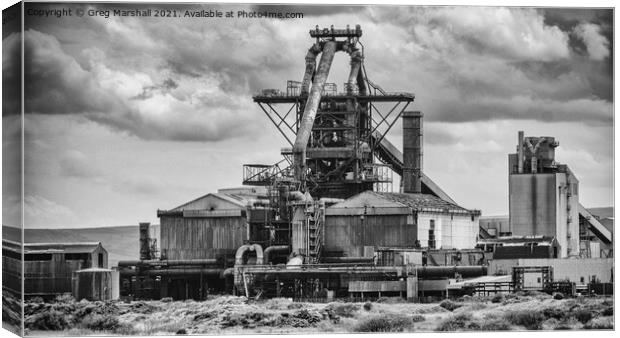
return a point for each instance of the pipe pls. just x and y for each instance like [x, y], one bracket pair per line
[449, 271]
[228, 272]
[328, 200]
[154, 262]
[356, 64]
[298, 196]
[310, 68]
[312, 104]
[520, 153]
[273, 248]
[348, 260]
[249, 247]
[181, 272]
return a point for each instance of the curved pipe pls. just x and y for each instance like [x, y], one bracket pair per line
[249, 247]
[298, 196]
[312, 104]
[273, 248]
[228, 272]
[348, 260]
[154, 262]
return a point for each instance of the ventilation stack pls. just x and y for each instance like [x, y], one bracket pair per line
[412, 152]
[145, 241]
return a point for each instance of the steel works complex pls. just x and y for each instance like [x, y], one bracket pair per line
[324, 223]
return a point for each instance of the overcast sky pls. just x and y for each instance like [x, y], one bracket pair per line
[125, 116]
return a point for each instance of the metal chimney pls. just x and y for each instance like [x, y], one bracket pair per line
[520, 158]
[145, 241]
[412, 152]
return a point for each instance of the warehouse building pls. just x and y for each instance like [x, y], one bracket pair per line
[399, 220]
[49, 267]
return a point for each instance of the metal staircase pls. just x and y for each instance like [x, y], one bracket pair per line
[316, 232]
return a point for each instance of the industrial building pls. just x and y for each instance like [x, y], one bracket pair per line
[544, 201]
[325, 221]
[49, 267]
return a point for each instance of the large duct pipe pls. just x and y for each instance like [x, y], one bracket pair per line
[273, 248]
[412, 152]
[299, 196]
[176, 262]
[307, 121]
[356, 65]
[450, 271]
[145, 241]
[347, 260]
[310, 68]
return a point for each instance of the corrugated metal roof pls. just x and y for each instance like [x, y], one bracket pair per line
[61, 247]
[235, 200]
[422, 201]
[419, 202]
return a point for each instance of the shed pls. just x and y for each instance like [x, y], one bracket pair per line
[48, 267]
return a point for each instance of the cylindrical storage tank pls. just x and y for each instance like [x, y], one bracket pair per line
[94, 284]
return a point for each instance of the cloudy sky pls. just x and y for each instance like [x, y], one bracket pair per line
[125, 116]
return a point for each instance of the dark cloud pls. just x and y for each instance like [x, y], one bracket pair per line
[11, 74]
[164, 87]
[56, 84]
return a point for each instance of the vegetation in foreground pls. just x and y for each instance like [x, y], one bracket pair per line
[229, 315]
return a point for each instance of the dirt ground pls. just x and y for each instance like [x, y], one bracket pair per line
[236, 315]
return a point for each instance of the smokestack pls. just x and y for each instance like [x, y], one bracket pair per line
[412, 152]
[520, 153]
[145, 241]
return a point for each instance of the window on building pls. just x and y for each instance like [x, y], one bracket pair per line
[431, 235]
[100, 260]
[11, 254]
[582, 280]
[76, 256]
[38, 257]
[539, 280]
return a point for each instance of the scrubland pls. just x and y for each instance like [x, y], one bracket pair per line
[237, 315]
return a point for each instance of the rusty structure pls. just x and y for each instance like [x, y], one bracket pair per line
[324, 221]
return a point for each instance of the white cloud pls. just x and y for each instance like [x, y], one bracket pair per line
[597, 44]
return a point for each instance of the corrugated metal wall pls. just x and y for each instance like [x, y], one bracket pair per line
[201, 237]
[11, 273]
[350, 234]
[49, 277]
